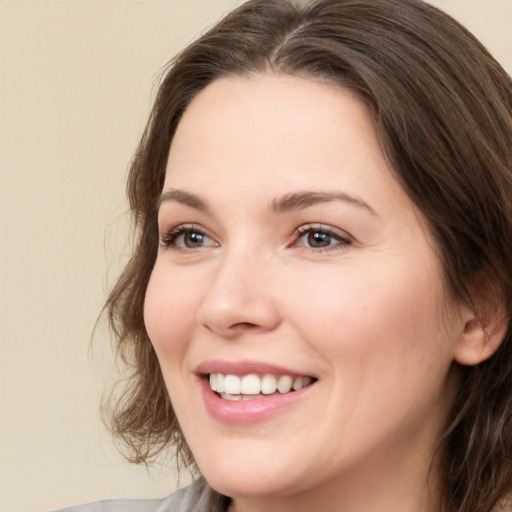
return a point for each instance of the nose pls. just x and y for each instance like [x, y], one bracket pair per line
[240, 298]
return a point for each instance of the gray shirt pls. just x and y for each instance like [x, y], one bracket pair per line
[197, 497]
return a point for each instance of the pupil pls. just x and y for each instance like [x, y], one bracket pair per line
[319, 239]
[193, 239]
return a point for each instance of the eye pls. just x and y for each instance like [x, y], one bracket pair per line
[320, 237]
[187, 237]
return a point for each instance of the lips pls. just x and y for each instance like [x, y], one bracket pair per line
[248, 391]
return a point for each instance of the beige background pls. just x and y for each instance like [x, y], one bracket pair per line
[76, 79]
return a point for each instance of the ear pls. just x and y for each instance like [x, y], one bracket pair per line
[484, 328]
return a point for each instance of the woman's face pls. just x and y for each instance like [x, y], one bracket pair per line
[288, 250]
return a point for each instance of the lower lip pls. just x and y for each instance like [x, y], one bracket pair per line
[248, 411]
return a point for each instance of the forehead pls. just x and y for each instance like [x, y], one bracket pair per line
[274, 124]
[267, 103]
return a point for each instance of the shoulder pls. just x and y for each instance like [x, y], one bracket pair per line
[193, 498]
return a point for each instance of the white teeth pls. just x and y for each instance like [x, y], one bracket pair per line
[220, 382]
[232, 384]
[238, 398]
[284, 384]
[252, 386]
[268, 384]
[213, 381]
[250, 397]
[233, 398]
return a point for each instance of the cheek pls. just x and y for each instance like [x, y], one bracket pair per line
[168, 314]
[383, 316]
[380, 337]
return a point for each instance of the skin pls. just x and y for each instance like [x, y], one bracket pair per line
[367, 315]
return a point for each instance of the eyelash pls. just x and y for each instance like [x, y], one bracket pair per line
[309, 229]
[170, 238]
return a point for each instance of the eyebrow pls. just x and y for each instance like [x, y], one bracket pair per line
[300, 200]
[282, 204]
[182, 197]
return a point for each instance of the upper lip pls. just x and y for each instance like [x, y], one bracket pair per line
[245, 367]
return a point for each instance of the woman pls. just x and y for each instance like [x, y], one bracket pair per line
[317, 308]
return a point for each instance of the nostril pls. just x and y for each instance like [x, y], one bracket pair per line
[244, 325]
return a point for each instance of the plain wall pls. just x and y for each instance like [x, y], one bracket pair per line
[76, 82]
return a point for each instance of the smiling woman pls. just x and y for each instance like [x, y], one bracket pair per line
[342, 291]
[317, 310]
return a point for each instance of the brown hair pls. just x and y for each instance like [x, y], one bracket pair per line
[443, 110]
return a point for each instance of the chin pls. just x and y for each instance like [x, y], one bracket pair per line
[263, 476]
[255, 483]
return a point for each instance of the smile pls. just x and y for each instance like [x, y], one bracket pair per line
[253, 386]
[244, 392]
